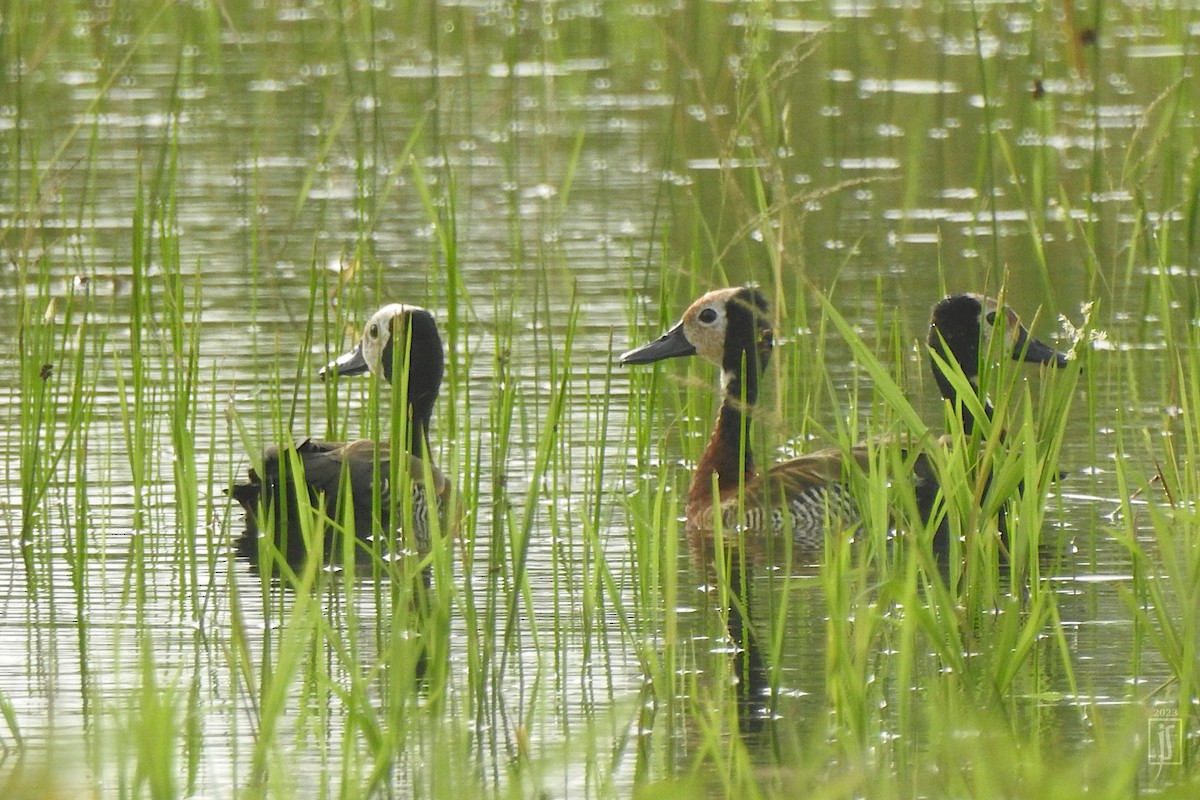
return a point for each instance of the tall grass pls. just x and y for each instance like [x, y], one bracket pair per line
[994, 622]
[574, 638]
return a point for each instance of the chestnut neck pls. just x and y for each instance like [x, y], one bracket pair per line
[728, 454]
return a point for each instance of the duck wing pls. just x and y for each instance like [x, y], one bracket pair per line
[811, 496]
[807, 495]
[325, 463]
[358, 459]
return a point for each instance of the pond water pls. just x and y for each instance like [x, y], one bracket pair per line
[556, 181]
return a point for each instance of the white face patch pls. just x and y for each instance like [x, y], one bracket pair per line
[726, 380]
[378, 332]
[993, 316]
[705, 323]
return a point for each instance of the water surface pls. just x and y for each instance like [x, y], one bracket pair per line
[557, 176]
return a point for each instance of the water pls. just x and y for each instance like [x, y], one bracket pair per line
[587, 152]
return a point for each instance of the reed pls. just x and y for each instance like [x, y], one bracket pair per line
[584, 178]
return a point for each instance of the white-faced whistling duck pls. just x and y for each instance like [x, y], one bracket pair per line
[325, 463]
[962, 329]
[807, 495]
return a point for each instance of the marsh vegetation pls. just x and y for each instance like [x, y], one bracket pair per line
[200, 204]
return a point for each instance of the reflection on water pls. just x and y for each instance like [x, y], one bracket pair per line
[527, 170]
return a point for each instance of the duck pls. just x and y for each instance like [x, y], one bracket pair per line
[961, 329]
[809, 494]
[966, 330]
[326, 464]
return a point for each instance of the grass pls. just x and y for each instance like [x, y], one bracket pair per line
[234, 210]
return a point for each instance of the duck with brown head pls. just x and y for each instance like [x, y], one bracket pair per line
[336, 471]
[807, 495]
[731, 328]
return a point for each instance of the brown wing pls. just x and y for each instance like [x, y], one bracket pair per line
[360, 456]
[275, 492]
[818, 468]
[810, 494]
[911, 452]
[807, 495]
[324, 465]
[358, 460]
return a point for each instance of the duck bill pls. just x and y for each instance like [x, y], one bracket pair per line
[1031, 351]
[351, 363]
[671, 344]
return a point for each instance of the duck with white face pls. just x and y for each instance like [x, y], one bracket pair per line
[396, 336]
[806, 495]
[731, 328]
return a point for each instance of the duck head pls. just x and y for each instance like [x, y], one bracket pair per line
[414, 330]
[963, 329]
[728, 327]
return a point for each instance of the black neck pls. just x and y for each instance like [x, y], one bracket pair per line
[951, 394]
[955, 335]
[747, 348]
[418, 440]
[733, 422]
[424, 367]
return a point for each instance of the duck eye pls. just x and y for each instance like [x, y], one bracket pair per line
[708, 316]
[991, 318]
[373, 332]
